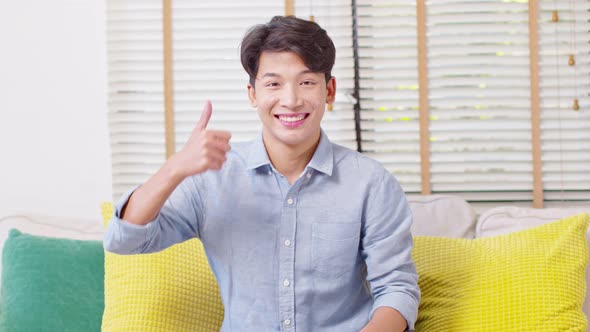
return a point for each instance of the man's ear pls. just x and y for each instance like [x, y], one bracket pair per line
[252, 95]
[331, 90]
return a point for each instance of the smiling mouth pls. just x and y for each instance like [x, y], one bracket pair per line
[292, 118]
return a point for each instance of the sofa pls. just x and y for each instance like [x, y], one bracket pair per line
[55, 277]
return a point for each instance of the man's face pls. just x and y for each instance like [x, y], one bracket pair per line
[290, 100]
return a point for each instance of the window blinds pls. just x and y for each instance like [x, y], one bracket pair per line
[136, 98]
[478, 73]
[478, 68]
[565, 133]
[479, 97]
[388, 92]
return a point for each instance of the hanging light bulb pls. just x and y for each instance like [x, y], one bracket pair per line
[572, 60]
[576, 105]
[555, 17]
[573, 51]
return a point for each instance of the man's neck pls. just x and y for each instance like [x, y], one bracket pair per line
[291, 161]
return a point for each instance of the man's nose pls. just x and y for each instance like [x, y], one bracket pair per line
[290, 97]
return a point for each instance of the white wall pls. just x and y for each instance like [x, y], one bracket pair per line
[54, 149]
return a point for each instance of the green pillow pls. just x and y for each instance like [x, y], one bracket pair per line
[51, 284]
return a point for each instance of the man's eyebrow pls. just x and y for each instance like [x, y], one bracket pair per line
[303, 72]
[270, 75]
[308, 71]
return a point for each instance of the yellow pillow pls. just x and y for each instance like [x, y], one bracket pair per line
[532, 280]
[173, 290]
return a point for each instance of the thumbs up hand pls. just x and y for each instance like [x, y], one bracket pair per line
[205, 149]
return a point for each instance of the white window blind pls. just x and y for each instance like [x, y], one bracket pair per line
[479, 92]
[479, 97]
[388, 70]
[565, 132]
[136, 98]
[479, 88]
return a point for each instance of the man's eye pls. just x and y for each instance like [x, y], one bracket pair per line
[307, 83]
[272, 84]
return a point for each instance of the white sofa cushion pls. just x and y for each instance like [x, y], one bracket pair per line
[442, 215]
[507, 219]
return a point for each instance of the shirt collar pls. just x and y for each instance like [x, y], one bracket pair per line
[323, 157]
[322, 160]
[257, 157]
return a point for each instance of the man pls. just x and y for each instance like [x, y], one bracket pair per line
[301, 234]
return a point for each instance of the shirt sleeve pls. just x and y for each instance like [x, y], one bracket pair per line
[387, 246]
[177, 221]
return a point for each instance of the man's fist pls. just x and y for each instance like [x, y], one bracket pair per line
[205, 149]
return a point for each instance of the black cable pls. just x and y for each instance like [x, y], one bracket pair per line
[356, 95]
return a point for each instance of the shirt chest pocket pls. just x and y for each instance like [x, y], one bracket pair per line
[334, 247]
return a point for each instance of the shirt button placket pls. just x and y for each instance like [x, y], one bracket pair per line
[287, 296]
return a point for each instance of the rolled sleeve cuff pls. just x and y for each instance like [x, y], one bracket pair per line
[122, 237]
[404, 303]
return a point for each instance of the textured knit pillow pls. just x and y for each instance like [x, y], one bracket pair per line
[172, 290]
[51, 284]
[532, 280]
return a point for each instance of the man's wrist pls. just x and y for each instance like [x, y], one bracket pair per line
[172, 170]
[386, 319]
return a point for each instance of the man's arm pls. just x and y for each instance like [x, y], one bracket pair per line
[167, 208]
[386, 319]
[387, 247]
[204, 150]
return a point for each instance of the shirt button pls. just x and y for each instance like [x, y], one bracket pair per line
[290, 201]
[308, 175]
[287, 322]
[287, 243]
[269, 172]
[286, 283]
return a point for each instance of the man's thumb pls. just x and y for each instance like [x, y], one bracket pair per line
[205, 115]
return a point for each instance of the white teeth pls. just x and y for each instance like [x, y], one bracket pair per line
[291, 118]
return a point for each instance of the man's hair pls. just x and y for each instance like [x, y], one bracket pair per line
[289, 34]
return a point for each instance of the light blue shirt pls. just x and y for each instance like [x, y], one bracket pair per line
[319, 255]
